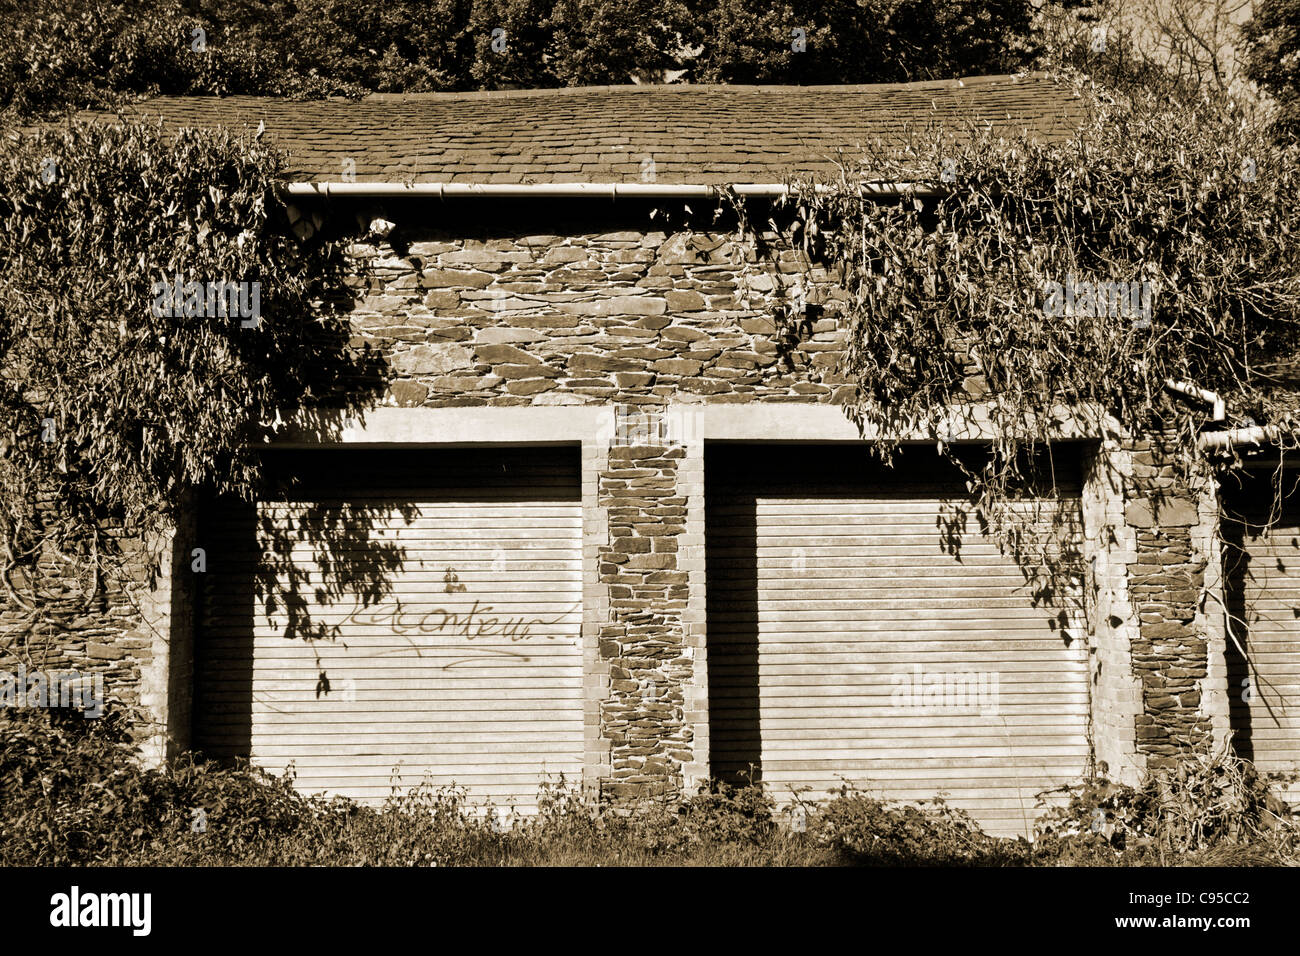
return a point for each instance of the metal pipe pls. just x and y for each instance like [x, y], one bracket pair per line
[1201, 394]
[609, 191]
[1254, 435]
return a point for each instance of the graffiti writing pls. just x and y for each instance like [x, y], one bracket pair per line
[474, 624]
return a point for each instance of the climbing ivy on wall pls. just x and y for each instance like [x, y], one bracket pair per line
[125, 382]
[979, 295]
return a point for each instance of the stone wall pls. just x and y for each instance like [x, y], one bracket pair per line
[113, 637]
[610, 312]
[1166, 582]
[584, 317]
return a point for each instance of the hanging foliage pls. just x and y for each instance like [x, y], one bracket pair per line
[1037, 287]
[160, 317]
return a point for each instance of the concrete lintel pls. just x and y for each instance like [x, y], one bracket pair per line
[686, 423]
[523, 425]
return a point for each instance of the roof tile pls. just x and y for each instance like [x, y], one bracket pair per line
[699, 134]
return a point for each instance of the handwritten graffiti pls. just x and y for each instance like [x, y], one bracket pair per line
[473, 624]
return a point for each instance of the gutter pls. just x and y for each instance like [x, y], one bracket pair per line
[611, 191]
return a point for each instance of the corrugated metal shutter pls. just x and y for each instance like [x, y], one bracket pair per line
[834, 593]
[467, 667]
[1262, 576]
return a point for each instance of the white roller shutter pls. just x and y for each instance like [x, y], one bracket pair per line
[1262, 565]
[837, 603]
[467, 669]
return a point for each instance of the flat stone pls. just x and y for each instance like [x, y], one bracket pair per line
[455, 279]
[495, 335]
[616, 305]
[529, 386]
[684, 300]
[442, 299]
[409, 394]
[525, 371]
[593, 362]
[503, 353]
[432, 360]
[684, 333]
[677, 367]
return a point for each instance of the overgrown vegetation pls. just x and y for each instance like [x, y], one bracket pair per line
[960, 313]
[71, 793]
[88, 53]
[1213, 805]
[113, 409]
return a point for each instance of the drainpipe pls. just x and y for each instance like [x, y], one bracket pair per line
[611, 191]
[1228, 437]
[1254, 435]
[1188, 390]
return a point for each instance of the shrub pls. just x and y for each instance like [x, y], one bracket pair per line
[1215, 804]
[72, 793]
[875, 832]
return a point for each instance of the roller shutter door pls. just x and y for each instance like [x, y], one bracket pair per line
[853, 636]
[466, 665]
[1262, 578]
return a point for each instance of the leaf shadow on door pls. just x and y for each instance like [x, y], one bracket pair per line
[298, 564]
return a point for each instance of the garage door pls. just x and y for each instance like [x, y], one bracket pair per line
[858, 633]
[448, 588]
[1262, 564]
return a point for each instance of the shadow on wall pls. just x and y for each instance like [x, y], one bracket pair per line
[1261, 569]
[311, 549]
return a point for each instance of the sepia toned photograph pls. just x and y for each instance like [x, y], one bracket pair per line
[853, 435]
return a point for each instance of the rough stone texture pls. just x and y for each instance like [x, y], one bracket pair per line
[1166, 578]
[113, 637]
[584, 317]
[644, 640]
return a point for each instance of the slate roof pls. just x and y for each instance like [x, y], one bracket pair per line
[693, 134]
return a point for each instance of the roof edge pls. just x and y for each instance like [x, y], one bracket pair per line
[954, 83]
[610, 191]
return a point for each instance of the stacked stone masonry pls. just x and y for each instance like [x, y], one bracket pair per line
[632, 317]
[471, 315]
[1170, 654]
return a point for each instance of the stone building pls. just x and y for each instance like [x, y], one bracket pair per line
[602, 527]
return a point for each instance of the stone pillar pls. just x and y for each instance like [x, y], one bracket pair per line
[643, 639]
[165, 638]
[1166, 581]
[690, 483]
[595, 614]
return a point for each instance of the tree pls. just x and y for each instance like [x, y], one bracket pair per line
[1272, 57]
[848, 41]
[1178, 218]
